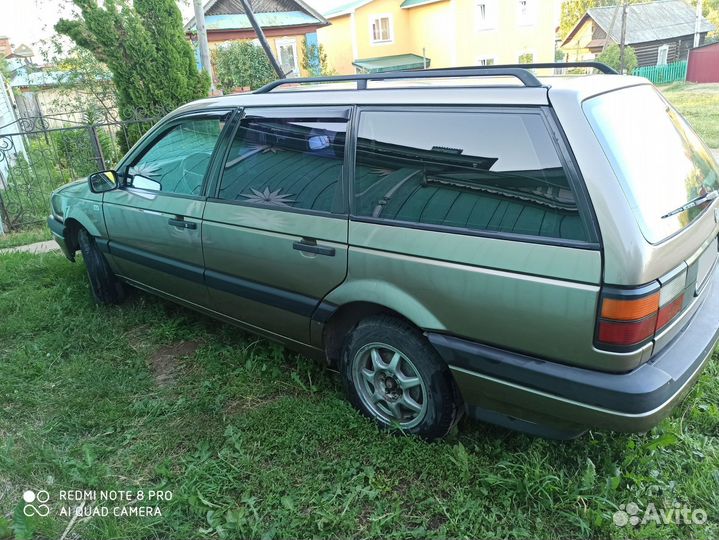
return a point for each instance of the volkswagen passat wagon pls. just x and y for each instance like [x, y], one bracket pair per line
[540, 254]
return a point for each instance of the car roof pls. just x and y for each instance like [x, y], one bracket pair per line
[457, 91]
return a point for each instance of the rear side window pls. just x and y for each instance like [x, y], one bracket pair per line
[476, 171]
[287, 160]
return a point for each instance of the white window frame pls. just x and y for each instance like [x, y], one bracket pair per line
[663, 51]
[482, 61]
[529, 17]
[489, 21]
[293, 42]
[376, 18]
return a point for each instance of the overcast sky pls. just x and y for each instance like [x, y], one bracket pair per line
[29, 21]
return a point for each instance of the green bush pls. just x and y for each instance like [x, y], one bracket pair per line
[241, 64]
[611, 57]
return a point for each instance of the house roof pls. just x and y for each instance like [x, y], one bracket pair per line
[38, 78]
[415, 3]
[230, 14]
[653, 21]
[391, 63]
[346, 9]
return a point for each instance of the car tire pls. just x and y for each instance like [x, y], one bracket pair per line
[392, 374]
[106, 288]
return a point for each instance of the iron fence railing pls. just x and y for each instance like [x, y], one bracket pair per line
[39, 154]
[665, 74]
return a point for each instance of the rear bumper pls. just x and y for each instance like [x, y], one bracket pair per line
[569, 399]
[58, 230]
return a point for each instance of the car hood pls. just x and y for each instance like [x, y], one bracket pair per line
[78, 189]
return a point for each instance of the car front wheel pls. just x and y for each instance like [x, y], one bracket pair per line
[106, 288]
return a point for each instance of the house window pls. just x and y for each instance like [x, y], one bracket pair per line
[381, 29]
[486, 14]
[485, 61]
[287, 53]
[526, 12]
[525, 58]
[663, 55]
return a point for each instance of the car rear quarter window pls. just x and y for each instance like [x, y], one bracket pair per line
[493, 172]
[287, 160]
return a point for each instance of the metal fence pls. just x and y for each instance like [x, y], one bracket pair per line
[38, 154]
[665, 74]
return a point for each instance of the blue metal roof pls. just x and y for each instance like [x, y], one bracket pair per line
[238, 21]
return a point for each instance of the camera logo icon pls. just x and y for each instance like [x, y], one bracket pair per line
[35, 503]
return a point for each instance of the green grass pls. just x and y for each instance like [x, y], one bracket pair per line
[699, 103]
[30, 236]
[254, 441]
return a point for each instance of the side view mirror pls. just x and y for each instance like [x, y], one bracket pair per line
[103, 181]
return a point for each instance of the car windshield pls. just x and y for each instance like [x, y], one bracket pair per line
[659, 160]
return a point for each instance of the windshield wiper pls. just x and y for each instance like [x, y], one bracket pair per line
[694, 202]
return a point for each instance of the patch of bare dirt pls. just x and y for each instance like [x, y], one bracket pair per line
[165, 362]
[238, 406]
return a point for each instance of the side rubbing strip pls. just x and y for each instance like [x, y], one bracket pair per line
[164, 264]
[272, 296]
[306, 306]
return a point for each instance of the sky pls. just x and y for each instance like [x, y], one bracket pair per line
[29, 21]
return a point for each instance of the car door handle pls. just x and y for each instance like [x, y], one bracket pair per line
[310, 246]
[182, 224]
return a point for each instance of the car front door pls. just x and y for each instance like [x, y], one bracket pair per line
[275, 229]
[155, 222]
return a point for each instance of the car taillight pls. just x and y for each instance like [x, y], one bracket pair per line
[631, 317]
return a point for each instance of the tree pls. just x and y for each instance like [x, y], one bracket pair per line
[711, 12]
[314, 60]
[611, 57]
[143, 44]
[242, 64]
[574, 10]
[5, 69]
[85, 85]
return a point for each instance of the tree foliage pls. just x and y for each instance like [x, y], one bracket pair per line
[85, 85]
[314, 60]
[574, 10]
[242, 64]
[611, 57]
[143, 44]
[710, 10]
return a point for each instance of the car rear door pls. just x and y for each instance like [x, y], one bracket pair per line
[275, 228]
[155, 223]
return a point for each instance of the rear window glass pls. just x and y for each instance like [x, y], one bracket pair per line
[471, 171]
[661, 163]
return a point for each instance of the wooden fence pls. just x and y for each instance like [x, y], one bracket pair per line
[666, 74]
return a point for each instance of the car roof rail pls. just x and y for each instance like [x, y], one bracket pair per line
[526, 77]
[519, 71]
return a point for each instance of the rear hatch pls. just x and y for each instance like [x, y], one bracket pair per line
[671, 181]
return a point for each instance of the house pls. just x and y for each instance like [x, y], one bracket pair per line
[384, 35]
[5, 47]
[660, 32]
[287, 24]
[11, 144]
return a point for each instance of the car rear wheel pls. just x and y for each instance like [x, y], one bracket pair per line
[106, 288]
[394, 376]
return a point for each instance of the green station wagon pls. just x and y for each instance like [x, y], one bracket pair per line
[540, 254]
